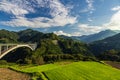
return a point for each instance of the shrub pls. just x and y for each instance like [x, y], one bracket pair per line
[3, 62]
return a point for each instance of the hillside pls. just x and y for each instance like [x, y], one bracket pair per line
[74, 71]
[107, 44]
[28, 35]
[50, 48]
[8, 36]
[107, 49]
[98, 36]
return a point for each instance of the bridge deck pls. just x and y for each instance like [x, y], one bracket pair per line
[6, 48]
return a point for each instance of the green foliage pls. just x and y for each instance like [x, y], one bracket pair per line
[50, 48]
[74, 47]
[3, 62]
[37, 60]
[107, 49]
[109, 43]
[29, 35]
[112, 55]
[61, 57]
[8, 37]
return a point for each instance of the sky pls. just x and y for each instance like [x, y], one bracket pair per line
[62, 17]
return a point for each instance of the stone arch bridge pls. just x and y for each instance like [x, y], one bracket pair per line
[6, 48]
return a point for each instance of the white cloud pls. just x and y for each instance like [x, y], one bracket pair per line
[61, 33]
[59, 12]
[76, 34]
[34, 23]
[90, 20]
[85, 29]
[116, 8]
[12, 9]
[82, 29]
[90, 4]
[39, 22]
[114, 23]
[90, 7]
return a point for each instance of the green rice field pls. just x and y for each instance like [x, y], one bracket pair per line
[74, 71]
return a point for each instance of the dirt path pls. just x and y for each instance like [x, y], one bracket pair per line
[113, 64]
[7, 74]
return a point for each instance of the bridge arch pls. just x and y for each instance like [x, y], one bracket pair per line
[31, 46]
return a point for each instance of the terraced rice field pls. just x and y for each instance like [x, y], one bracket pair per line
[83, 71]
[75, 71]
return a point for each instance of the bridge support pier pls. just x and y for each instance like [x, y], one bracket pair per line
[7, 47]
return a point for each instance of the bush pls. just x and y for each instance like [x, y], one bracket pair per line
[3, 62]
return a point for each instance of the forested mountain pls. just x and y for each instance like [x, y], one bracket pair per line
[107, 44]
[108, 48]
[50, 47]
[98, 36]
[8, 36]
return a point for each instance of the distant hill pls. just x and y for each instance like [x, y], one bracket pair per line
[106, 44]
[65, 37]
[98, 36]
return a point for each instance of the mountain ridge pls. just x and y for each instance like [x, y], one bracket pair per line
[97, 36]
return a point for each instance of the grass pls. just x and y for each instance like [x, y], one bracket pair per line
[35, 71]
[84, 71]
[72, 71]
[40, 68]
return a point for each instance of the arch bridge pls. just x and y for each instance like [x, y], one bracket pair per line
[6, 48]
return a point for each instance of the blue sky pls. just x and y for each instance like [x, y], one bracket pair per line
[63, 17]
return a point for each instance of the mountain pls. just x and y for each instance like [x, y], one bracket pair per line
[65, 37]
[50, 47]
[98, 36]
[110, 43]
[51, 42]
[29, 35]
[8, 36]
